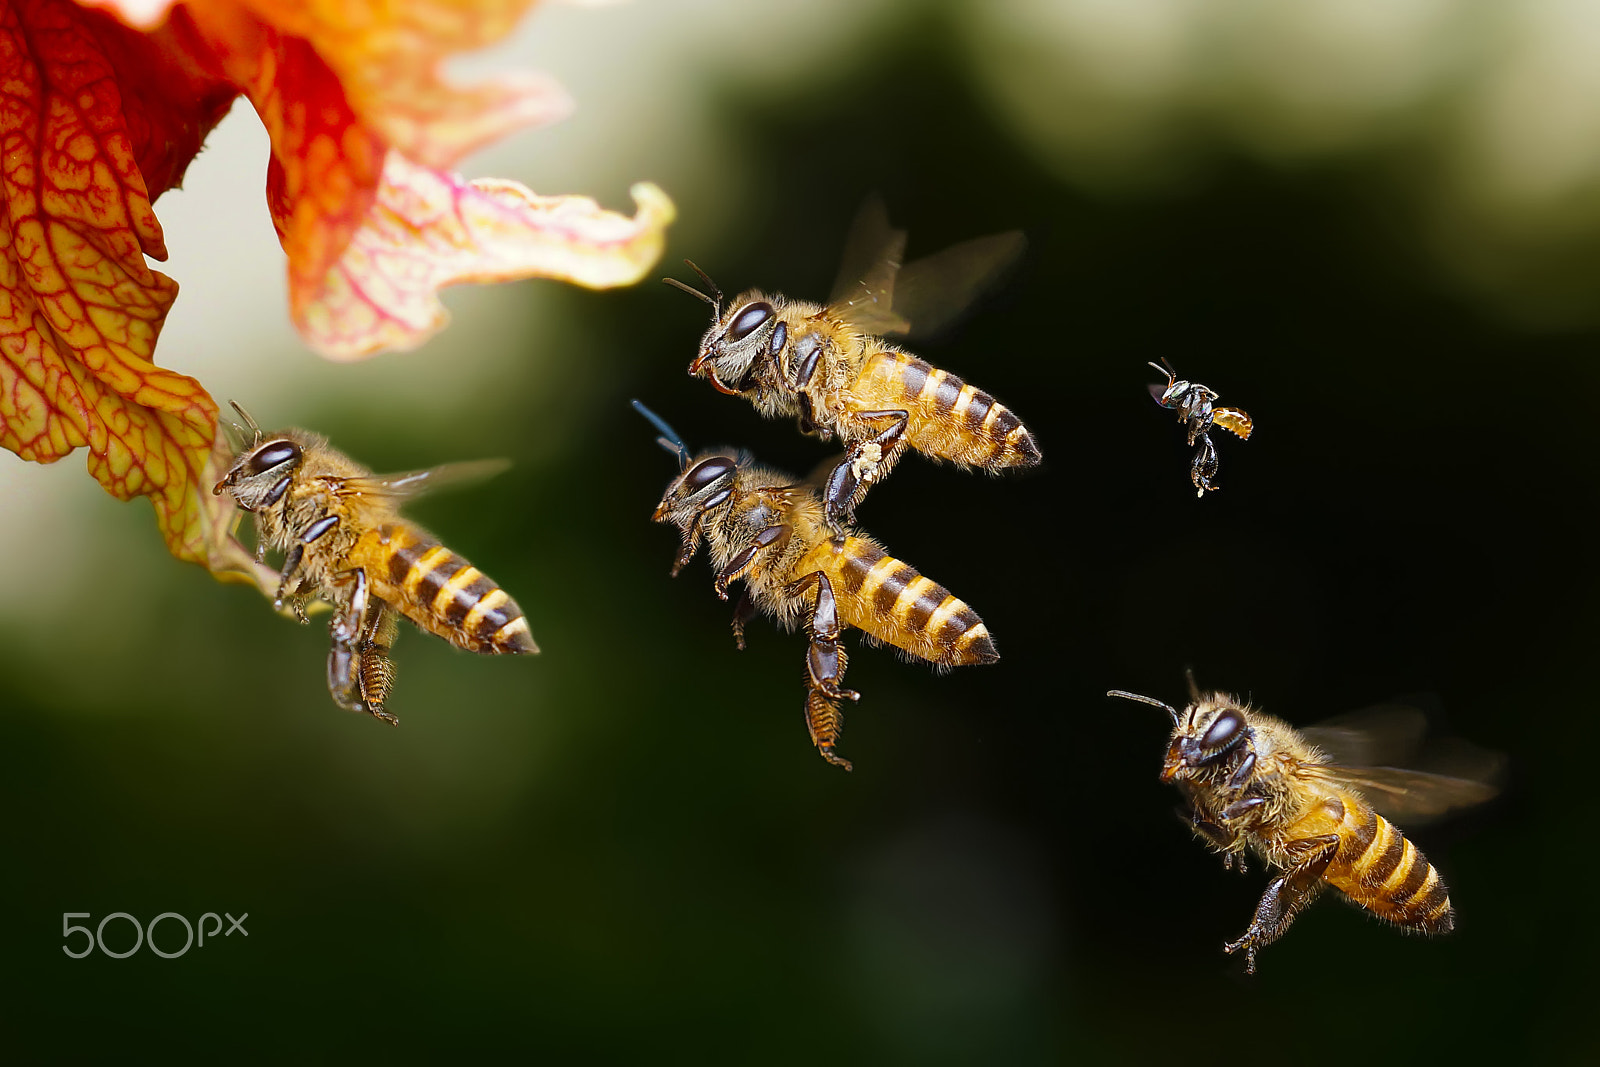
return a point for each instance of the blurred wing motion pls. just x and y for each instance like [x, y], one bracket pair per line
[1364, 744]
[1383, 735]
[863, 293]
[408, 485]
[877, 296]
[935, 291]
[1411, 796]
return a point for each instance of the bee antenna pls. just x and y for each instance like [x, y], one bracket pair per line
[1194, 687]
[691, 290]
[1168, 708]
[705, 278]
[669, 438]
[1165, 368]
[249, 423]
[716, 304]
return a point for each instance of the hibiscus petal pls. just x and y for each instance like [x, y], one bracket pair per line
[80, 309]
[429, 229]
[388, 55]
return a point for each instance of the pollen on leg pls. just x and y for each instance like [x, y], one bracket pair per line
[866, 465]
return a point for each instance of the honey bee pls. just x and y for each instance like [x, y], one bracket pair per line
[763, 527]
[345, 542]
[1193, 403]
[830, 367]
[1254, 783]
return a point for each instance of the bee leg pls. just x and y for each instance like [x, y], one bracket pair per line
[1240, 808]
[376, 670]
[1220, 839]
[344, 685]
[346, 624]
[745, 558]
[1203, 467]
[865, 464]
[291, 564]
[1241, 775]
[1195, 410]
[691, 545]
[344, 673]
[362, 631]
[743, 612]
[825, 666]
[344, 658]
[1285, 896]
[808, 421]
[825, 722]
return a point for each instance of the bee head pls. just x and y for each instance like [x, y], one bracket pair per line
[1208, 731]
[261, 474]
[1171, 394]
[1203, 734]
[743, 338]
[706, 483]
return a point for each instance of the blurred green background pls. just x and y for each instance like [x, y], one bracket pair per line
[625, 849]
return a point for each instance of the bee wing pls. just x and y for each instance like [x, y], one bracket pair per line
[933, 292]
[407, 485]
[1382, 735]
[863, 292]
[1402, 795]
[1234, 420]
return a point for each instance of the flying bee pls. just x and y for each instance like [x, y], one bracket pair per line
[829, 366]
[762, 526]
[1254, 783]
[1193, 403]
[345, 542]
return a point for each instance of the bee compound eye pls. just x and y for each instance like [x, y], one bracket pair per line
[749, 320]
[273, 454]
[1222, 731]
[707, 471]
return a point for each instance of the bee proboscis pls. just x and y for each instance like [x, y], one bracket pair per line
[1254, 783]
[829, 366]
[1196, 411]
[763, 527]
[346, 543]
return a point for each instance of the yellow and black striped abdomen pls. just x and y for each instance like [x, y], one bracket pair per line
[888, 599]
[1389, 876]
[948, 418]
[441, 592]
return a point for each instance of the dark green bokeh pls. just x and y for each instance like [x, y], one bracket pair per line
[626, 848]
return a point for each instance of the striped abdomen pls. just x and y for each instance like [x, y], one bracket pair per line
[1389, 876]
[948, 418]
[441, 592]
[889, 600]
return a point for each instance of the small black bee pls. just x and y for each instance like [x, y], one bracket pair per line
[1193, 403]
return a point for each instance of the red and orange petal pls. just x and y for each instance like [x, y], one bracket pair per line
[100, 116]
[79, 307]
[428, 230]
[388, 58]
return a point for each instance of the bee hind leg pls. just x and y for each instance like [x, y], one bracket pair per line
[376, 669]
[825, 666]
[359, 671]
[1285, 896]
[1203, 468]
[825, 722]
